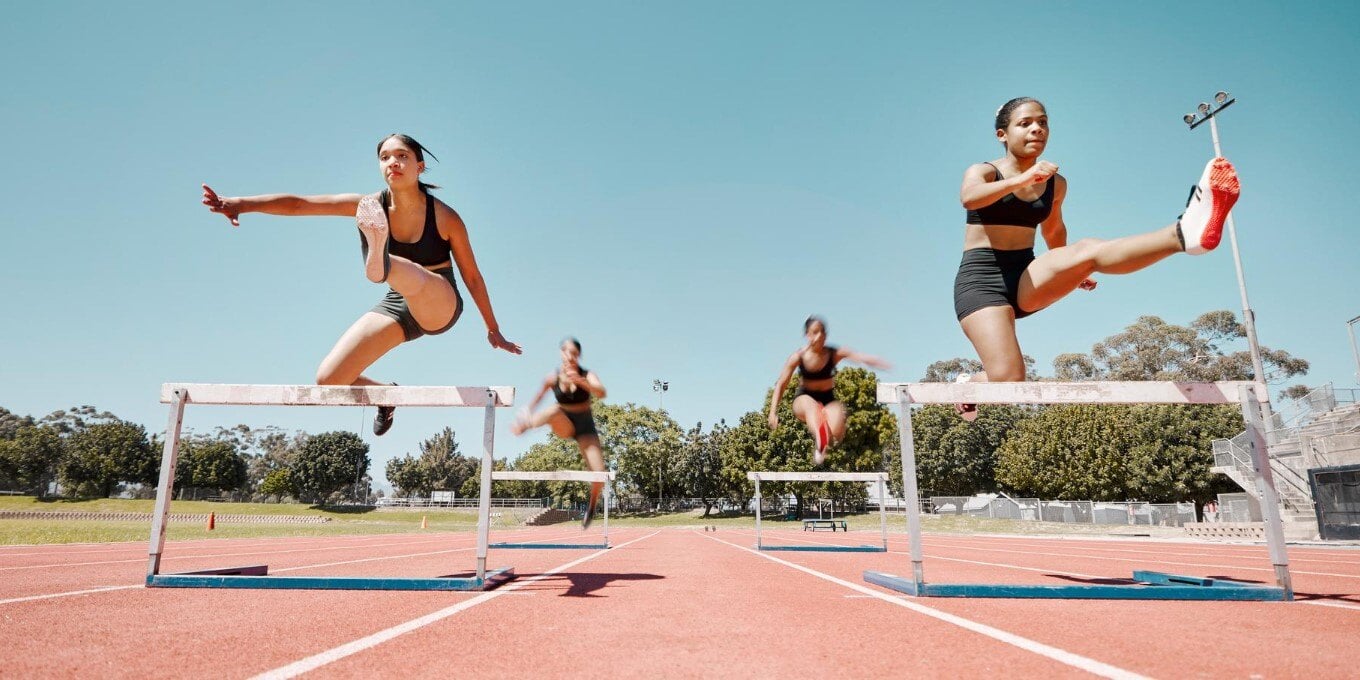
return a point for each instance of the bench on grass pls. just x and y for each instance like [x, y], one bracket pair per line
[815, 524]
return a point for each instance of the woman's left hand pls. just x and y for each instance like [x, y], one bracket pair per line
[1088, 284]
[499, 342]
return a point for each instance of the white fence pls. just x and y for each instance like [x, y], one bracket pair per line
[460, 503]
[1074, 512]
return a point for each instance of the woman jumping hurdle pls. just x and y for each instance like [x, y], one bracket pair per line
[1010, 200]
[815, 401]
[570, 417]
[410, 240]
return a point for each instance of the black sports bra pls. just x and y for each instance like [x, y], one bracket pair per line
[822, 373]
[1014, 211]
[576, 396]
[430, 249]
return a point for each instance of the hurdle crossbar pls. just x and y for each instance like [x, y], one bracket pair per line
[1154, 585]
[179, 395]
[758, 476]
[559, 476]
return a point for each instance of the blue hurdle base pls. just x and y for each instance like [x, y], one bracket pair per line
[824, 548]
[552, 546]
[1152, 586]
[257, 576]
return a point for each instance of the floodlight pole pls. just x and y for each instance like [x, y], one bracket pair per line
[1248, 316]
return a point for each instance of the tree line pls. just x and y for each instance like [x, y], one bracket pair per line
[1154, 453]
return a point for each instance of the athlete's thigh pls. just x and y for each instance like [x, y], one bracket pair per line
[992, 332]
[364, 342]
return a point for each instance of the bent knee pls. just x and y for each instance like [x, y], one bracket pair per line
[1006, 374]
[329, 375]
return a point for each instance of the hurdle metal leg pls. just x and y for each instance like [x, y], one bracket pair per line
[883, 509]
[913, 508]
[484, 505]
[1265, 486]
[757, 513]
[161, 517]
[606, 514]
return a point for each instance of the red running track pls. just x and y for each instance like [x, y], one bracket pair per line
[667, 603]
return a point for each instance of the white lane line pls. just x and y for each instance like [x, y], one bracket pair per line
[1337, 605]
[330, 656]
[1060, 655]
[1261, 554]
[1143, 561]
[231, 554]
[397, 557]
[101, 589]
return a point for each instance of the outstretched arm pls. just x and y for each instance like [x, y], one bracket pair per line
[341, 205]
[779, 385]
[847, 354]
[455, 230]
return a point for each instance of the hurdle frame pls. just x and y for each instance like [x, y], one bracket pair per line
[180, 395]
[881, 477]
[1148, 584]
[559, 476]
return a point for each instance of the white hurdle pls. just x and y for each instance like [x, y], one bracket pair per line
[1249, 395]
[880, 477]
[179, 395]
[559, 476]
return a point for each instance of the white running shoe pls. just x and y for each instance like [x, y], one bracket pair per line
[1201, 226]
[373, 236]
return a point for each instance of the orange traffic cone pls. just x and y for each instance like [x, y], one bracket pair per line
[212, 521]
[423, 525]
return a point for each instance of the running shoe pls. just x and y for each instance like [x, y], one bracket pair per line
[591, 505]
[1200, 227]
[373, 233]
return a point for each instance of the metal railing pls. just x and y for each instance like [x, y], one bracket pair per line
[460, 503]
[1074, 512]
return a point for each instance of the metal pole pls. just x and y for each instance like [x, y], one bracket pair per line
[1248, 316]
[160, 519]
[757, 513]
[1265, 485]
[883, 509]
[1350, 328]
[484, 507]
[909, 486]
[606, 514]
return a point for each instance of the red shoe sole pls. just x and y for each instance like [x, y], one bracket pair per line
[1225, 187]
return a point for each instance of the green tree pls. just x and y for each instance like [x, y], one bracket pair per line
[328, 463]
[278, 484]
[1069, 452]
[554, 454]
[407, 477]
[268, 450]
[1152, 349]
[100, 456]
[77, 418]
[444, 466]
[955, 457]
[700, 465]
[472, 486]
[212, 464]
[10, 423]
[642, 446]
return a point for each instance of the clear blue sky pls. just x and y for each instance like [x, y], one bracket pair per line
[678, 184]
